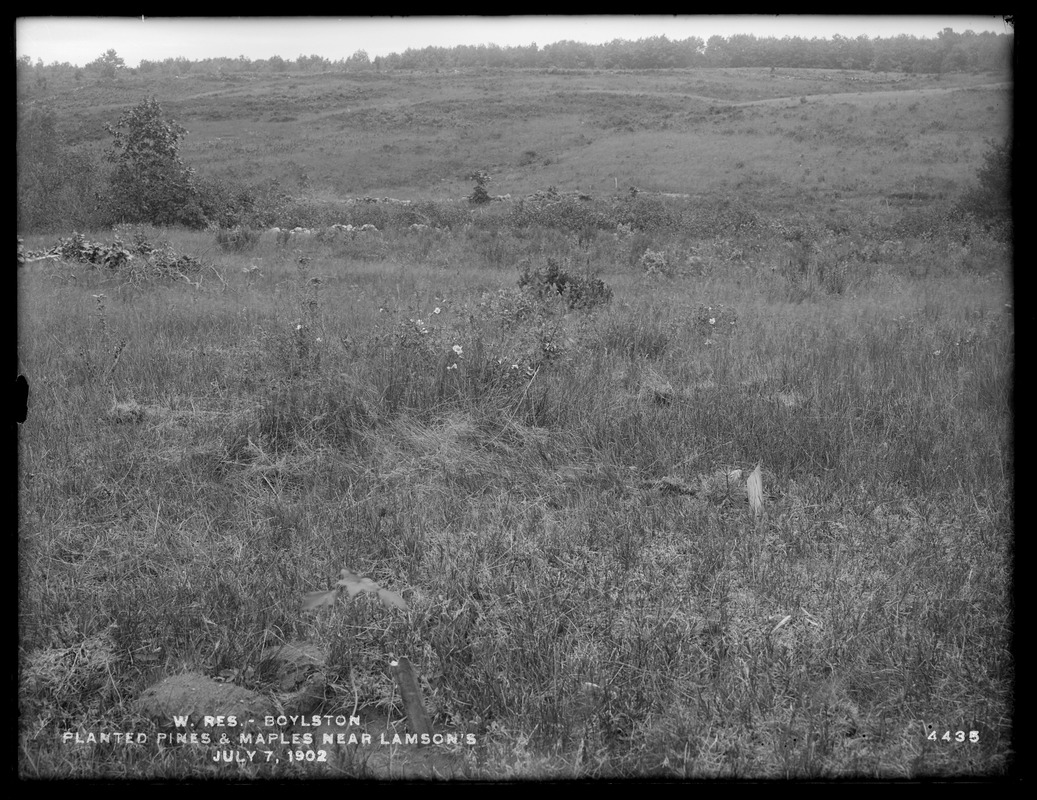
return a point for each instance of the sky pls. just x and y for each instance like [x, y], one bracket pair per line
[79, 40]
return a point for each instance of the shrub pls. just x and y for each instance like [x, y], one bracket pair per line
[654, 262]
[578, 291]
[78, 248]
[142, 259]
[991, 199]
[269, 202]
[479, 195]
[228, 206]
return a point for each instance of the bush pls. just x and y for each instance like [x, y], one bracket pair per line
[479, 195]
[141, 259]
[578, 291]
[991, 199]
[78, 248]
[268, 203]
[654, 262]
[228, 206]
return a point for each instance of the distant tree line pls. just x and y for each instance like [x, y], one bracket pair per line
[68, 180]
[948, 52]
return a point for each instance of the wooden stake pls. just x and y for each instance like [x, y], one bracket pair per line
[417, 717]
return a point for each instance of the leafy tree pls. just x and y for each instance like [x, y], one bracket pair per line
[741, 48]
[717, 54]
[108, 65]
[150, 182]
[359, 60]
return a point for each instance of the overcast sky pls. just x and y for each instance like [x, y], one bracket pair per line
[79, 40]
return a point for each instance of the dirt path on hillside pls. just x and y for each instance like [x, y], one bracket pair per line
[885, 94]
[397, 104]
[785, 100]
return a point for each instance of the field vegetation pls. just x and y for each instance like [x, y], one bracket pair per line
[538, 421]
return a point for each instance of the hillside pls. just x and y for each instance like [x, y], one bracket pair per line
[417, 135]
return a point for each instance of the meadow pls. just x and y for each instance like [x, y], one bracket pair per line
[536, 422]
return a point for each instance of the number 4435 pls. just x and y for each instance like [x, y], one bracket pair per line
[957, 736]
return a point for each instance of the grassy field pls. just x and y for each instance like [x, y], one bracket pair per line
[836, 133]
[556, 484]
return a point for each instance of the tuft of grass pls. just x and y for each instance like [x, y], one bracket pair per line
[237, 240]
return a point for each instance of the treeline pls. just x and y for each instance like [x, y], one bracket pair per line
[948, 52]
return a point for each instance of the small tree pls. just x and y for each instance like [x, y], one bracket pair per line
[108, 65]
[150, 183]
[479, 194]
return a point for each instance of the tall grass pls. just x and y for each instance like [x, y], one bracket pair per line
[557, 487]
[496, 457]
